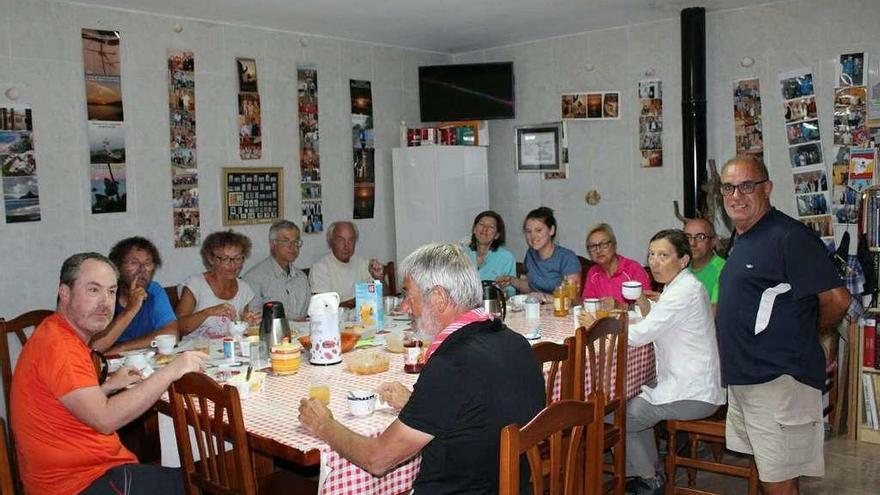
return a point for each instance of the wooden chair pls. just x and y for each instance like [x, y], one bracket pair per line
[603, 348]
[220, 471]
[17, 326]
[173, 298]
[561, 357]
[574, 458]
[390, 281]
[710, 430]
[6, 480]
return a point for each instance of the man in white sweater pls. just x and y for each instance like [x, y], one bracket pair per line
[341, 269]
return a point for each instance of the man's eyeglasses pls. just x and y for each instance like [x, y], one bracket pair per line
[288, 242]
[599, 246]
[699, 237]
[225, 260]
[134, 265]
[747, 187]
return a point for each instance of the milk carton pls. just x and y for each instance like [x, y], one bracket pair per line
[368, 304]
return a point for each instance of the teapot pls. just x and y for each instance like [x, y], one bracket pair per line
[273, 326]
[494, 301]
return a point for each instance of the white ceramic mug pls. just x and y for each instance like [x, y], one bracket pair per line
[164, 343]
[361, 403]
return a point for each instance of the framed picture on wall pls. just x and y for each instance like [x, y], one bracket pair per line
[539, 148]
[252, 195]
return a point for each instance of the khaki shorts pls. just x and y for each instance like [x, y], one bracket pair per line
[780, 423]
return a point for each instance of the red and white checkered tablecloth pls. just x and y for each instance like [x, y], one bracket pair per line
[640, 364]
[273, 413]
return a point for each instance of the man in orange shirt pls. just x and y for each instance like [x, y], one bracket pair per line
[63, 419]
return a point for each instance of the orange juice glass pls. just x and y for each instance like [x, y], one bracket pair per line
[320, 391]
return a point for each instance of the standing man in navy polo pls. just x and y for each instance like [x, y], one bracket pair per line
[778, 291]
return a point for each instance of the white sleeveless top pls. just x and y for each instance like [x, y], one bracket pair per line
[214, 326]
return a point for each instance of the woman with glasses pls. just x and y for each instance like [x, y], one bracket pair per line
[210, 300]
[681, 327]
[605, 279]
[486, 251]
[547, 264]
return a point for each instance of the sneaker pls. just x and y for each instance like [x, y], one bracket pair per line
[646, 486]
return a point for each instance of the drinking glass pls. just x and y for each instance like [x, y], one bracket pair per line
[258, 355]
[319, 389]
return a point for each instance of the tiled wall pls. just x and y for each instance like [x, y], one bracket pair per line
[40, 53]
[604, 155]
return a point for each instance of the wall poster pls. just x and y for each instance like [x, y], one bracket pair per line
[600, 105]
[250, 126]
[309, 149]
[184, 166]
[651, 123]
[363, 152]
[252, 195]
[805, 152]
[106, 131]
[21, 193]
[747, 122]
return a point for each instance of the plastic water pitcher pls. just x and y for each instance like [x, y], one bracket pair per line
[324, 329]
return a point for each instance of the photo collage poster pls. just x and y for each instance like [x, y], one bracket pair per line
[747, 122]
[362, 144]
[21, 193]
[810, 183]
[106, 129]
[651, 123]
[309, 149]
[850, 132]
[184, 165]
[250, 127]
[873, 84]
[599, 105]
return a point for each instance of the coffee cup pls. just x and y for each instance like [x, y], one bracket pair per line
[164, 343]
[592, 306]
[361, 403]
[141, 362]
[237, 328]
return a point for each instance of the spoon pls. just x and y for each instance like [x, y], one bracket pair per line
[534, 335]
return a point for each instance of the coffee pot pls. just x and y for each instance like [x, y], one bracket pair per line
[494, 301]
[273, 326]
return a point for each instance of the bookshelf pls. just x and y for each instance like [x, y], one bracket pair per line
[865, 432]
[870, 227]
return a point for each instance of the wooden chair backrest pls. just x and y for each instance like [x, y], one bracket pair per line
[575, 457]
[173, 297]
[6, 479]
[219, 471]
[603, 348]
[561, 359]
[17, 325]
[390, 281]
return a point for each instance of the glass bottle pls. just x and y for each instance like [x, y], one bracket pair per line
[559, 299]
[413, 353]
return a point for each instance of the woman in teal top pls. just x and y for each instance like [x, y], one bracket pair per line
[487, 237]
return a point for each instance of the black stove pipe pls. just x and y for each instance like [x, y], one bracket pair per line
[693, 108]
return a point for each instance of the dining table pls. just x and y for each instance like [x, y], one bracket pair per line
[271, 415]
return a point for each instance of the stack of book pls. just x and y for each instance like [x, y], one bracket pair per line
[870, 380]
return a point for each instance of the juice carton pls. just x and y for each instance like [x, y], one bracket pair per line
[368, 304]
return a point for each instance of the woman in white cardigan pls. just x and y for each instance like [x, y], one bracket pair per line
[682, 329]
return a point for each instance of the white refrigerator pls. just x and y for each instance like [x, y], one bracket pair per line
[438, 190]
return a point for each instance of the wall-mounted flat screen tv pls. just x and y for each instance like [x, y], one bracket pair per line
[466, 92]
